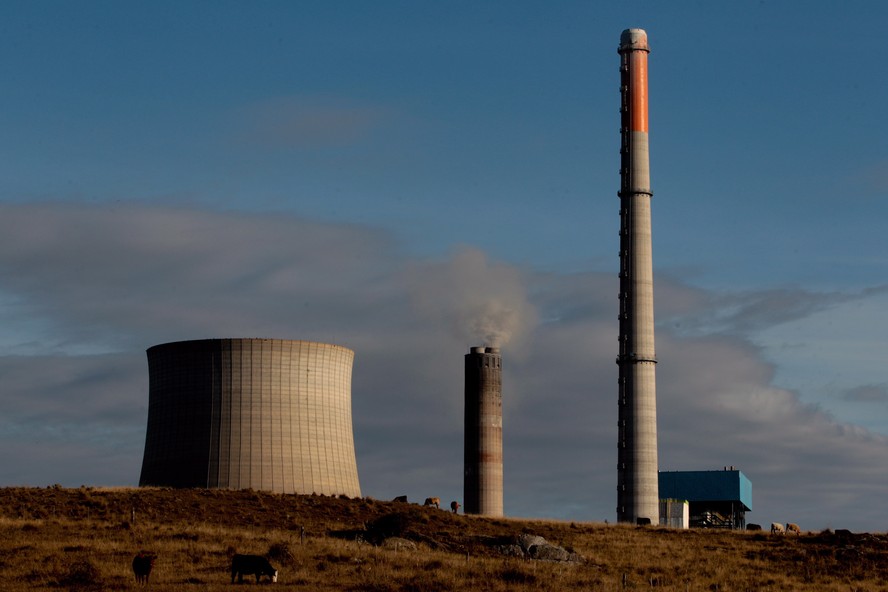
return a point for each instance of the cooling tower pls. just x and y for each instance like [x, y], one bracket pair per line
[637, 494]
[265, 414]
[483, 448]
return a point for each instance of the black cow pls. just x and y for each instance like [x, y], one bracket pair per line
[142, 564]
[245, 565]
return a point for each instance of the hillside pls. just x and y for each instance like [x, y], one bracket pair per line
[85, 538]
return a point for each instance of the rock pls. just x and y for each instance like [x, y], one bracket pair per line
[398, 544]
[526, 541]
[548, 552]
[510, 550]
[531, 546]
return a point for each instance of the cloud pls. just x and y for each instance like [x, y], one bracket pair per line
[717, 407]
[72, 419]
[868, 393]
[73, 390]
[742, 312]
[132, 275]
[104, 284]
[307, 122]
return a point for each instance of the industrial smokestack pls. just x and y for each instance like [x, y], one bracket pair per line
[637, 488]
[483, 452]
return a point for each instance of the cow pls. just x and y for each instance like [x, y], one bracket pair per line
[790, 527]
[752, 526]
[433, 501]
[454, 507]
[777, 528]
[401, 499]
[245, 565]
[142, 564]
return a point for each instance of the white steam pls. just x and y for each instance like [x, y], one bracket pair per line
[483, 303]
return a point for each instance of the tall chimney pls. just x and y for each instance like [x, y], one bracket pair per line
[483, 447]
[637, 488]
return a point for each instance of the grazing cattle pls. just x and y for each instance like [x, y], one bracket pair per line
[776, 528]
[401, 498]
[753, 526]
[790, 527]
[433, 501]
[245, 565]
[454, 507]
[142, 564]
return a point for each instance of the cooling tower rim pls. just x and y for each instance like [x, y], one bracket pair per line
[220, 340]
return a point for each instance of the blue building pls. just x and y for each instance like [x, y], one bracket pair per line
[716, 499]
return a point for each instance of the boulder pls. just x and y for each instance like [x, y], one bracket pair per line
[531, 546]
[526, 541]
[510, 550]
[548, 552]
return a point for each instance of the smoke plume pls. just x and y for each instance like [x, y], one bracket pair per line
[482, 302]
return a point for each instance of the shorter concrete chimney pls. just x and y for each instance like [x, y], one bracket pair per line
[483, 451]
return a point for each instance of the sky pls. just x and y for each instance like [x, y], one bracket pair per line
[395, 177]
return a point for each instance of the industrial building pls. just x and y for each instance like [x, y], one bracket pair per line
[265, 414]
[716, 499]
[637, 496]
[675, 513]
[483, 442]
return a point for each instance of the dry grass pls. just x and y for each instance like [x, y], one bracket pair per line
[84, 539]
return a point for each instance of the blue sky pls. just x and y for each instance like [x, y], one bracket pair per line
[340, 171]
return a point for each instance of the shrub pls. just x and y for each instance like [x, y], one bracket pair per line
[81, 574]
[390, 525]
[280, 552]
[512, 575]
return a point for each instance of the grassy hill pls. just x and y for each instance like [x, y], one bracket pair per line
[84, 539]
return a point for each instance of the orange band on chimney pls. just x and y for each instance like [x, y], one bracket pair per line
[638, 91]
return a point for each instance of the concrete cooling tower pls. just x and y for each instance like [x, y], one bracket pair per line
[483, 444]
[265, 414]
